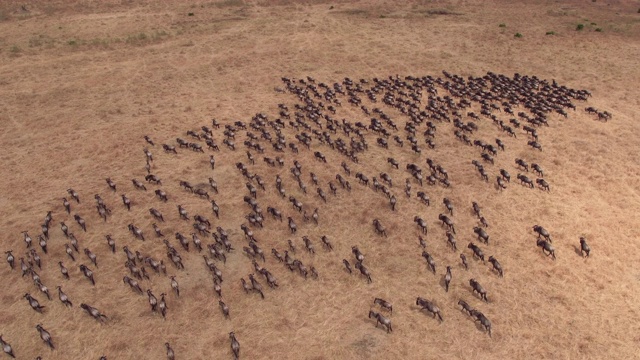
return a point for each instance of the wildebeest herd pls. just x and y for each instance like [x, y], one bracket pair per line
[306, 134]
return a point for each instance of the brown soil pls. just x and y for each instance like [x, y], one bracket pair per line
[83, 82]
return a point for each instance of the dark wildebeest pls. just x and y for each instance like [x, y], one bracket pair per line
[584, 248]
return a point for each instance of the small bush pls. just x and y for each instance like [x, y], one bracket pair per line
[15, 49]
[593, 24]
[550, 33]
[190, 14]
[383, 16]
[72, 43]
[503, 25]
[599, 29]
[518, 35]
[579, 27]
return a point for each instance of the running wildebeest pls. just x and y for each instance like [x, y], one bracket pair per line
[430, 262]
[380, 230]
[524, 180]
[347, 265]
[482, 235]
[546, 248]
[465, 307]
[381, 320]
[477, 288]
[235, 345]
[430, 307]
[384, 304]
[45, 336]
[6, 347]
[544, 185]
[447, 279]
[496, 265]
[477, 252]
[542, 232]
[463, 259]
[523, 164]
[584, 248]
[483, 320]
[93, 312]
[446, 221]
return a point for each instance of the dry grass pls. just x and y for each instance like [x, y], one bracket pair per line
[74, 115]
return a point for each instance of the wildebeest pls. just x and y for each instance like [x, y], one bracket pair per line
[446, 221]
[534, 144]
[347, 265]
[463, 259]
[537, 169]
[505, 175]
[88, 274]
[380, 230]
[430, 262]
[384, 304]
[482, 235]
[546, 247]
[235, 345]
[45, 336]
[477, 288]
[465, 307]
[381, 320]
[430, 307]
[364, 271]
[483, 320]
[93, 312]
[477, 252]
[523, 164]
[447, 279]
[6, 347]
[542, 232]
[496, 265]
[421, 223]
[544, 185]
[525, 180]
[584, 248]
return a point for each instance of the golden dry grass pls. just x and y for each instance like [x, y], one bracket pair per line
[82, 82]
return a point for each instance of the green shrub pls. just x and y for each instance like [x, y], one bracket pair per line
[518, 35]
[579, 27]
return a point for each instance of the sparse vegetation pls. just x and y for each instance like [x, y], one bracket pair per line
[579, 27]
[518, 35]
[229, 3]
[15, 49]
[190, 14]
[503, 25]
[550, 33]
[598, 29]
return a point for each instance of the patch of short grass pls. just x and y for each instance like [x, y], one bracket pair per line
[229, 3]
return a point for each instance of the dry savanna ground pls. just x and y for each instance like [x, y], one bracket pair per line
[82, 82]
